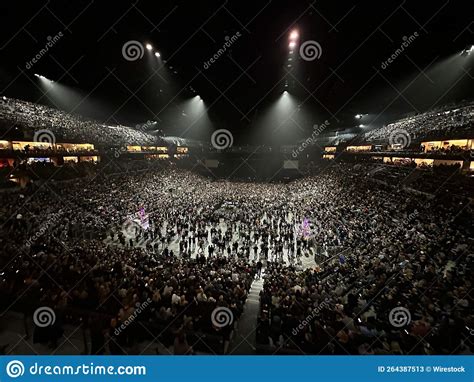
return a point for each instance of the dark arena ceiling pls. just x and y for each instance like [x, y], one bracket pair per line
[372, 57]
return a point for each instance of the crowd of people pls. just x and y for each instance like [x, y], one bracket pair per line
[94, 249]
[66, 127]
[392, 251]
[449, 150]
[440, 180]
[439, 122]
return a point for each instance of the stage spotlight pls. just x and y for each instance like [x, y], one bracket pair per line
[468, 51]
[361, 125]
[294, 35]
[292, 44]
[358, 116]
[157, 54]
[43, 78]
[148, 46]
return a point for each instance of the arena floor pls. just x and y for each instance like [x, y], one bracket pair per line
[305, 261]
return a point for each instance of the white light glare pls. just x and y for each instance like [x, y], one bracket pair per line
[148, 46]
[467, 51]
[292, 44]
[157, 54]
[358, 116]
[294, 35]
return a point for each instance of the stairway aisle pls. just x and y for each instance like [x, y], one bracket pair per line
[243, 341]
